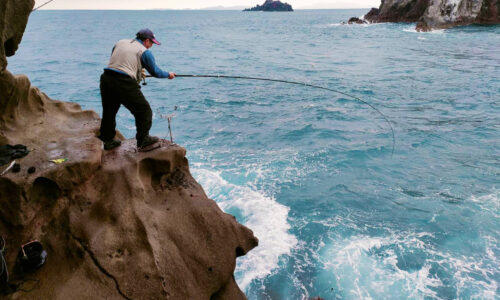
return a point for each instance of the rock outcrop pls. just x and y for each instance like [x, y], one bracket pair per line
[436, 14]
[271, 5]
[356, 20]
[116, 224]
[13, 19]
[398, 11]
[446, 14]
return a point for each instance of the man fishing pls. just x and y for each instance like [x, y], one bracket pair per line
[120, 84]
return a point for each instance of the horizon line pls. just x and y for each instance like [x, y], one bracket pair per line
[178, 9]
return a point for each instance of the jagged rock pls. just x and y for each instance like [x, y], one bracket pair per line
[355, 20]
[13, 19]
[116, 224]
[448, 13]
[372, 14]
[435, 14]
[271, 5]
[398, 11]
[489, 13]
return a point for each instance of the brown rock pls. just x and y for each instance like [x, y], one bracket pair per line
[490, 12]
[372, 15]
[397, 11]
[116, 224]
[437, 14]
[13, 19]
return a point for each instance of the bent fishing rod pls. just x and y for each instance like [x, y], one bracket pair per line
[296, 83]
[40, 6]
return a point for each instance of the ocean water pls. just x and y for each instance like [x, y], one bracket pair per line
[311, 171]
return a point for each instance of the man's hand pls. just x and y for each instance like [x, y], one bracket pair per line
[143, 73]
[171, 75]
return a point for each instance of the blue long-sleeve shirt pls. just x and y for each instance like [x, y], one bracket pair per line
[148, 62]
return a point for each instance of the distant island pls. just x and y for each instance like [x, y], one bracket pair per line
[271, 5]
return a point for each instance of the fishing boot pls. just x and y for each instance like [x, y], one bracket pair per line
[147, 142]
[111, 144]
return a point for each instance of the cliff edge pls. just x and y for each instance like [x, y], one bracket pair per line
[436, 14]
[116, 224]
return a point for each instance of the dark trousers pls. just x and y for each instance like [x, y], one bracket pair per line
[118, 89]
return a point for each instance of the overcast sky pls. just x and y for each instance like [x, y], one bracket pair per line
[197, 4]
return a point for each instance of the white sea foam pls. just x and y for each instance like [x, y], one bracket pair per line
[364, 276]
[367, 267]
[266, 217]
[412, 29]
[489, 203]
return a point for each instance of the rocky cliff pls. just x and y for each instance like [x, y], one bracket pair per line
[436, 14]
[116, 224]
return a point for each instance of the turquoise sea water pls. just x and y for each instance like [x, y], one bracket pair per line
[309, 171]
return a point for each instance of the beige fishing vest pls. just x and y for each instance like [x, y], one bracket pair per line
[126, 57]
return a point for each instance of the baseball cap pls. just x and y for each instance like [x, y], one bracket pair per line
[147, 34]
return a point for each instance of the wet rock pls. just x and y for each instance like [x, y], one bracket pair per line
[436, 14]
[355, 20]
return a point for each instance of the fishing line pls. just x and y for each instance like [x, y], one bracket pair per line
[42, 5]
[302, 84]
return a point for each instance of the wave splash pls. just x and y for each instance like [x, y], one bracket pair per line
[266, 217]
[404, 266]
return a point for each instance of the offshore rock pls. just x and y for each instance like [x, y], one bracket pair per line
[436, 14]
[116, 224]
[356, 20]
[271, 5]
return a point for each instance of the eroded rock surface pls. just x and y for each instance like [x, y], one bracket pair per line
[13, 18]
[436, 14]
[116, 224]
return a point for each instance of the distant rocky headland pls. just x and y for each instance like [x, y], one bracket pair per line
[436, 14]
[271, 5]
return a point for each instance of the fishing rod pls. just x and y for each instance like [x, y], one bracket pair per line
[296, 83]
[42, 5]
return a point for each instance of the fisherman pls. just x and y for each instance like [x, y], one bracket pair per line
[120, 84]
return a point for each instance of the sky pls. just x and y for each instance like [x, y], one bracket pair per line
[200, 4]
